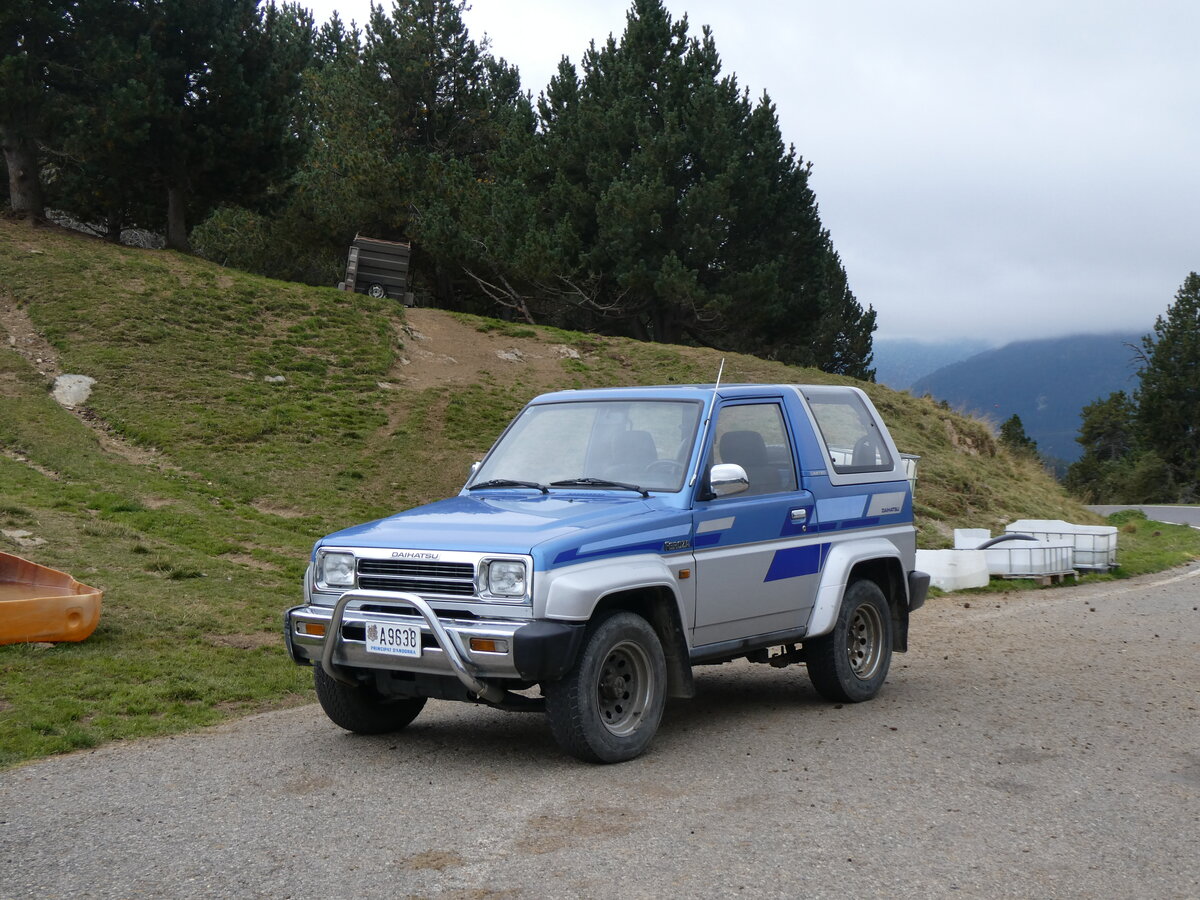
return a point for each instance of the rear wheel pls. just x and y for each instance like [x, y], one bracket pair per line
[850, 663]
[607, 709]
[362, 709]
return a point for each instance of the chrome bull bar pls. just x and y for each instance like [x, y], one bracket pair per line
[447, 642]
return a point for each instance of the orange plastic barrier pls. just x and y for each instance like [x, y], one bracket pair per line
[42, 604]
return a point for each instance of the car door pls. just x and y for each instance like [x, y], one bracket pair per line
[757, 557]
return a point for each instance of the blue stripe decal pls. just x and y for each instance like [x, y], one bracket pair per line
[707, 540]
[574, 553]
[796, 561]
[619, 543]
[825, 527]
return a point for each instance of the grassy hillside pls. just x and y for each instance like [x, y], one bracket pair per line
[234, 419]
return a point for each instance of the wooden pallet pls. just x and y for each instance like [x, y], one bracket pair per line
[1044, 580]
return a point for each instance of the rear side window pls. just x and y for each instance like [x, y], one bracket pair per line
[852, 439]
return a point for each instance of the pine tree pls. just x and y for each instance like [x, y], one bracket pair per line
[1146, 449]
[36, 42]
[1114, 466]
[407, 117]
[97, 160]
[1107, 429]
[1168, 398]
[668, 208]
[222, 81]
[1013, 436]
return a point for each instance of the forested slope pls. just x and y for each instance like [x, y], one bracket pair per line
[642, 194]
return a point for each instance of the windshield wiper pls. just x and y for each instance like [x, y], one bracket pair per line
[508, 482]
[601, 483]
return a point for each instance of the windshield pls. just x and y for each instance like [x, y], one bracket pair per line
[636, 443]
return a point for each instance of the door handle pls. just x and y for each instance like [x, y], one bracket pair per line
[799, 516]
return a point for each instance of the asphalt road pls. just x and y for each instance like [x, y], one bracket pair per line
[1042, 744]
[1176, 515]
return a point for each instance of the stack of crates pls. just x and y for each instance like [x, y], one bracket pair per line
[1094, 546]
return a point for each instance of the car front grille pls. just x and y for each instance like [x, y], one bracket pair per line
[436, 579]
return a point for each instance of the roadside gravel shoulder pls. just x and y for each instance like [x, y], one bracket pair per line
[1040, 743]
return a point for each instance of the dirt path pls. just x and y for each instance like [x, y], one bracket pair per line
[440, 350]
[21, 335]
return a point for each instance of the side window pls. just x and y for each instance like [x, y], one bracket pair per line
[852, 439]
[753, 435]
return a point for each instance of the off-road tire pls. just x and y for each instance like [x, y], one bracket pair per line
[360, 709]
[607, 708]
[849, 664]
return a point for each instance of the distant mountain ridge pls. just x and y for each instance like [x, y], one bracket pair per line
[1046, 382]
[899, 361]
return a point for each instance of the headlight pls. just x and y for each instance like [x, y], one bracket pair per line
[335, 570]
[506, 578]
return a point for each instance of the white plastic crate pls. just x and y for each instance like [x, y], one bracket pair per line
[970, 538]
[1095, 546]
[1030, 559]
[953, 570]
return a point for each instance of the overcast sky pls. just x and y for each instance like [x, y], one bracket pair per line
[995, 170]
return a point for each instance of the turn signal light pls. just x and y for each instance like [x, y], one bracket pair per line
[488, 645]
[314, 629]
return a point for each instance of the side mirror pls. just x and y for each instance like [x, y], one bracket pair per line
[474, 468]
[727, 479]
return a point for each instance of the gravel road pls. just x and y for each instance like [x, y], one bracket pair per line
[1040, 744]
[1178, 514]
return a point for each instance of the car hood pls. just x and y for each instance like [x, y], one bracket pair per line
[551, 527]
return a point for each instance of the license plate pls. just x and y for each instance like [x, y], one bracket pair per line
[393, 640]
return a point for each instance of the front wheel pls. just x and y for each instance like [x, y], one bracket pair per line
[607, 709]
[850, 663]
[361, 709]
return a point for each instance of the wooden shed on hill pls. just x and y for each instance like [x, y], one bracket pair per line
[378, 268]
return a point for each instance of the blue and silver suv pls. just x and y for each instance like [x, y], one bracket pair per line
[610, 541]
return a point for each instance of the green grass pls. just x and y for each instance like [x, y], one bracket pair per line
[1145, 546]
[199, 539]
[193, 593]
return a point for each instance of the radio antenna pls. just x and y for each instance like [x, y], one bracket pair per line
[708, 424]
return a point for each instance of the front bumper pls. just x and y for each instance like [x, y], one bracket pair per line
[526, 651]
